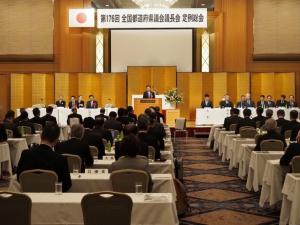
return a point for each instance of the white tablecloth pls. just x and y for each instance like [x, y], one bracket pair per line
[211, 134]
[5, 157]
[165, 154]
[32, 138]
[16, 146]
[245, 156]
[154, 167]
[216, 137]
[221, 140]
[257, 166]
[291, 200]
[65, 209]
[228, 145]
[272, 183]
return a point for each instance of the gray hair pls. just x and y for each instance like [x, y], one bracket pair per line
[77, 131]
[270, 124]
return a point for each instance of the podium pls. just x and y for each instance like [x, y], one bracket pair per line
[140, 104]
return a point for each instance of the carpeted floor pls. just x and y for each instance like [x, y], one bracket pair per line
[217, 196]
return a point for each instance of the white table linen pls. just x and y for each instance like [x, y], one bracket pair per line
[211, 134]
[216, 138]
[245, 156]
[228, 145]
[5, 160]
[16, 146]
[32, 138]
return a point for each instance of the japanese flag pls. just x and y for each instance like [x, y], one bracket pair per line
[81, 17]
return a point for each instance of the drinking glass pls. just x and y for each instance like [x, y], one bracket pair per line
[58, 188]
[138, 188]
[75, 169]
[150, 157]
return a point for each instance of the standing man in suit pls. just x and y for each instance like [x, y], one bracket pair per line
[262, 103]
[292, 103]
[72, 103]
[241, 104]
[270, 102]
[148, 93]
[60, 102]
[43, 157]
[48, 117]
[226, 103]
[206, 103]
[248, 101]
[80, 102]
[282, 102]
[92, 104]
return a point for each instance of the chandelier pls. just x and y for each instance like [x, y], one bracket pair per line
[155, 3]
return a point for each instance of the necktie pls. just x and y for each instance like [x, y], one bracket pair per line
[149, 95]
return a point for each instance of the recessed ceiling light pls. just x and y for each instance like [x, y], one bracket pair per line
[107, 5]
[203, 4]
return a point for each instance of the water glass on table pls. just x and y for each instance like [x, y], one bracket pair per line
[58, 188]
[75, 169]
[138, 188]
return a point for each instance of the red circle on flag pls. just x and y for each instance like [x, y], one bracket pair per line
[81, 17]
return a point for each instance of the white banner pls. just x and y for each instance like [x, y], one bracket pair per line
[81, 17]
[152, 18]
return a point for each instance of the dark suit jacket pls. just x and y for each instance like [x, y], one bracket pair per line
[61, 104]
[157, 130]
[101, 116]
[104, 133]
[224, 104]
[148, 140]
[113, 124]
[281, 104]
[74, 115]
[281, 122]
[261, 104]
[209, 104]
[295, 131]
[37, 120]
[146, 95]
[293, 104]
[90, 105]
[249, 104]
[292, 151]
[43, 157]
[3, 135]
[268, 136]
[291, 125]
[125, 120]
[231, 120]
[75, 146]
[27, 124]
[48, 118]
[93, 139]
[71, 105]
[260, 119]
[270, 104]
[133, 116]
[241, 104]
[12, 126]
[243, 123]
[80, 104]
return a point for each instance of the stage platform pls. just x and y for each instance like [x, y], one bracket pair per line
[194, 130]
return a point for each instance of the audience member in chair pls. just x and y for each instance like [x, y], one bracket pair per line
[280, 115]
[91, 138]
[292, 125]
[270, 127]
[112, 123]
[102, 115]
[131, 113]
[10, 125]
[37, 117]
[74, 114]
[259, 119]
[123, 117]
[48, 117]
[101, 131]
[43, 157]
[246, 121]
[24, 121]
[157, 129]
[131, 159]
[3, 135]
[232, 119]
[76, 146]
[292, 151]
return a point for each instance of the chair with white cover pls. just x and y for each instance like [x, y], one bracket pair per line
[24, 130]
[38, 180]
[106, 208]
[38, 106]
[74, 162]
[15, 208]
[271, 145]
[296, 164]
[248, 132]
[232, 127]
[94, 152]
[74, 121]
[125, 180]
[287, 134]
[180, 126]
[9, 133]
[38, 127]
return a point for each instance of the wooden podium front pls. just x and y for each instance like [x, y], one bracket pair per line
[140, 104]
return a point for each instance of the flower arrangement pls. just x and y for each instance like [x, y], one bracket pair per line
[173, 97]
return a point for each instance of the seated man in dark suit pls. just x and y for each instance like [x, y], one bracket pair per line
[92, 104]
[292, 151]
[131, 113]
[292, 125]
[24, 121]
[60, 102]
[160, 116]
[292, 103]
[74, 114]
[80, 102]
[246, 121]
[281, 121]
[43, 157]
[232, 119]
[270, 126]
[101, 131]
[262, 103]
[10, 125]
[131, 159]
[3, 135]
[48, 117]
[123, 117]
[148, 93]
[259, 119]
[112, 123]
[270, 102]
[282, 102]
[249, 103]
[102, 115]
[76, 146]
[241, 103]
[269, 114]
[72, 103]
[206, 103]
[37, 117]
[91, 138]
[226, 103]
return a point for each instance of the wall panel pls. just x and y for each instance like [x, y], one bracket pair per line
[4, 94]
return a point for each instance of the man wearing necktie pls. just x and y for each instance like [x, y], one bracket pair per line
[249, 102]
[270, 103]
[206, 103]
[92, 104]
[262, 103]
[292, 103]
[282, 102]
[148, 93]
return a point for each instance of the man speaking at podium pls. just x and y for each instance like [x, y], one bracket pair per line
[148, 93]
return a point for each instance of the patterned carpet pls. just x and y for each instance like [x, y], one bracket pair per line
[217, 196]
